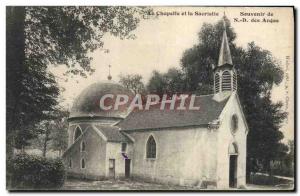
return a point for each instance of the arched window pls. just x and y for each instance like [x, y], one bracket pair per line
[234, 81]
[151, 148]
[82, 146]
[78, 132]
[82, 163]
[226, 81]
[233, 148]
[217, 82]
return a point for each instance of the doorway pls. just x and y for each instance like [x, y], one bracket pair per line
[233, 171]
[111, 172]
[127, 168]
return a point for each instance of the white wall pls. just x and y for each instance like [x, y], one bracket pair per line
[184, 156]
[225, 138]
[113, 151]
[94, 155]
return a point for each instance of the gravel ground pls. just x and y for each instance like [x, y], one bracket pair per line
[75, 184]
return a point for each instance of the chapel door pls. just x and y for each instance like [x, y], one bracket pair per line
[127, 168]
[233, 171]
[111, 172]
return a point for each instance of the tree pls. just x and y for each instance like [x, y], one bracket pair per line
[171, 82]
[31, 90]
[258, 71]
[42, 36]
[60, 133]
[45, 131]
[133, 82]
[52, 133]
[197, 61]
[157, 83]
[23, 137]
[289, 161]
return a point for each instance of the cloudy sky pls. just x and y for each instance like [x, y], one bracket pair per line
[161, 42]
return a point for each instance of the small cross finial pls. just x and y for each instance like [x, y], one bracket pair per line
[109, 76]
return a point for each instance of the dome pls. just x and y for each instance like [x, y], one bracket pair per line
[87, 104]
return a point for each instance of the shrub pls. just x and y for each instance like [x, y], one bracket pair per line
[34, 172]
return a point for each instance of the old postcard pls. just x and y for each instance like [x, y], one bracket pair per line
[150, 98]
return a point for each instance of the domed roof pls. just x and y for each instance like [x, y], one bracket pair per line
[87, 104]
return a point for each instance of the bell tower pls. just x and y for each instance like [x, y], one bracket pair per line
[225, 77]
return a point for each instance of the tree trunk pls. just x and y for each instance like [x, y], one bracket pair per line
[15, 56]
[267, 167]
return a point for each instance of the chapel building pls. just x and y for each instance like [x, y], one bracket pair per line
[205, 147]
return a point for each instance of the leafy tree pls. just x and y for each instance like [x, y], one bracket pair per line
[44, 129]
[197, 62]
[171, 82]
[133, 82]
[258, 71]
[31, 90]
[289, 161]
[23, 138]
[40, 36]
[52, 133]
[157, 83]
[60, 133]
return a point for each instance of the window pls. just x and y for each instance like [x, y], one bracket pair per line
[111, 163]
[82, 146]
[151, 148]
[124, 147]
[217, 83]
[70, 163]
[226, 81]
[78, 132]
[82, 163]
[234, 123]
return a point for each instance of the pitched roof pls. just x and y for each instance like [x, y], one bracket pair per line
[154, 118]
[112, 133]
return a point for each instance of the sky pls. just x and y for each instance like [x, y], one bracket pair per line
[161, 42]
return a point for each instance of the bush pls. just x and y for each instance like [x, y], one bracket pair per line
[34, 172]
